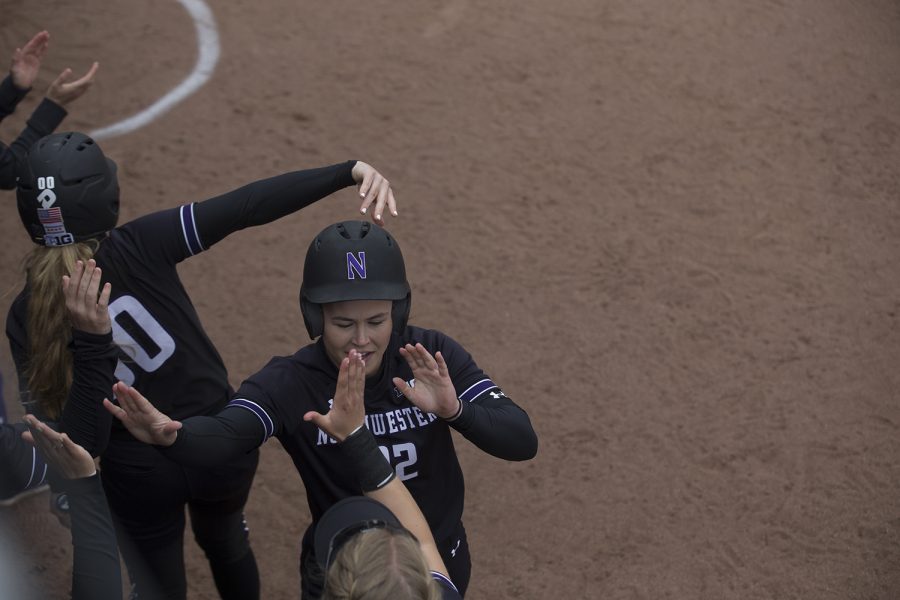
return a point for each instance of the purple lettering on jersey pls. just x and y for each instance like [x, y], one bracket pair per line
[356, 265]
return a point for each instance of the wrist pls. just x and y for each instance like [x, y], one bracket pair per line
[371, 468]
[455, 413]
[352, 433]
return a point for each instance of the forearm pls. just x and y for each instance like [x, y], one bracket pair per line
[95, 570]
[266, 200]
[378, 482]
[43, 121]
[211, 441]
[84, 419]
[499, 427]
[10, 96]
[397, 498]
[21, 466]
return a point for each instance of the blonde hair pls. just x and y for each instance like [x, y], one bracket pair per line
[49, 370]
[380, 564]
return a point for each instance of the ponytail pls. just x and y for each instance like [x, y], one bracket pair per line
[49, 371]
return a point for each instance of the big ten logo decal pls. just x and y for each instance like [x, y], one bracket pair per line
[356, 265]
[402, 457]
[47, 196]
[139, 336]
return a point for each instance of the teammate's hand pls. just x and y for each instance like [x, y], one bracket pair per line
[348, 410]
[374, 187]
[87, 312]
[68, 458]
[141, 418]
[62, 91]
[26, 61]
[433, 391]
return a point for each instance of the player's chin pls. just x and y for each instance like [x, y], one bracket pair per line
[373, 363]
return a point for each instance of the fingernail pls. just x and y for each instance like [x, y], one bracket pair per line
[394, 213]
[377, 217]
[363, 210]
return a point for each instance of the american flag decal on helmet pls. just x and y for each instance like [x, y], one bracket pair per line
[55, 233]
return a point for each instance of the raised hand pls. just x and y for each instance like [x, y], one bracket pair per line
[347, 411]
[433, 391]
[87, 312]
[374, 187]
[26, 61]
[141, 418]
[62, 91]
[71, 460]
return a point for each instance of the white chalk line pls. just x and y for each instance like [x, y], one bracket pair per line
[207, 57]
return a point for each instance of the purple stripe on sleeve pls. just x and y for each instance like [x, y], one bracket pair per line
[477, 389]
[260, 413]
[444, 579]
[189, 228]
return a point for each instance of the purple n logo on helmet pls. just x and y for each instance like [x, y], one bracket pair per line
[356, 265]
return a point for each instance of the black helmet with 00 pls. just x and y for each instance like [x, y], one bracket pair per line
[67, 190]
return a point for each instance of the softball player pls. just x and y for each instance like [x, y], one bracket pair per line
[68, 200]
[380, 546]
[420, 384]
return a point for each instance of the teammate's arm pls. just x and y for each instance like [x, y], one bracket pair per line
[95, 572]
[345, 422]
[49, 113]
[199, 441]
[21, 466]
[94, 358]
[269, 199]
[45, 118]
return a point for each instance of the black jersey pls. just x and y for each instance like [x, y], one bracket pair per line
[418, 445]
[164, 350]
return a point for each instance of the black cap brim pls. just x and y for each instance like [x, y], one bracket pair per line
[350, 513]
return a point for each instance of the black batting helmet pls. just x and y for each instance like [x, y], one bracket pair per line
[353, 260]
[67, 190]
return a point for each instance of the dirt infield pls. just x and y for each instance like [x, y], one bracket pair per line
[670, 230]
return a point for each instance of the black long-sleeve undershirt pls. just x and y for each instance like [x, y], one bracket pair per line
[93, 374]
[267, 200]
[479, 422]
[209, 441]
[45, 118]
[95, 571]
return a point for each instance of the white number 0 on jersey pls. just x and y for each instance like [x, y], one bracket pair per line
[132, 307]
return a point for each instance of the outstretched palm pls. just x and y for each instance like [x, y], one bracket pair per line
[433, 389]
[141, 418]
